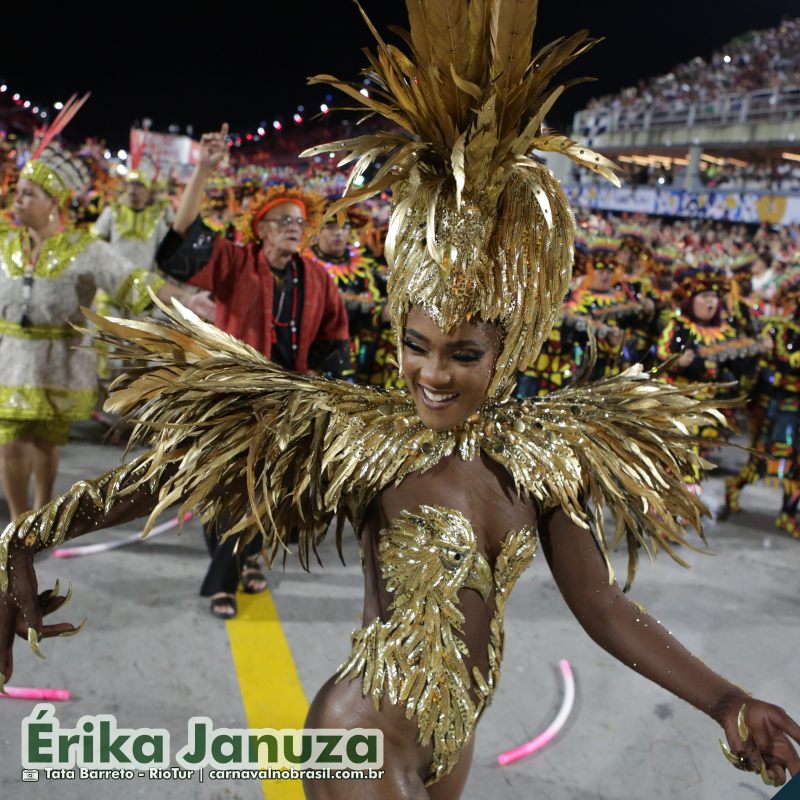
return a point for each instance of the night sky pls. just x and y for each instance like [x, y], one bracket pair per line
[247, 62]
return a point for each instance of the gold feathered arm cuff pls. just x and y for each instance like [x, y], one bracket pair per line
[117, 496]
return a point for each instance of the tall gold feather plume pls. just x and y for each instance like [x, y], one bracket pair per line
[480, 228]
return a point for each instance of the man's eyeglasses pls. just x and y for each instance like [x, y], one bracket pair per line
[285, 222]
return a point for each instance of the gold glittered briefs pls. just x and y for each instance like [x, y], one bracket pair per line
[416, 657]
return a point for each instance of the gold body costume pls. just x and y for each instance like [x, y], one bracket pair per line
[480, 230]
[417, 658]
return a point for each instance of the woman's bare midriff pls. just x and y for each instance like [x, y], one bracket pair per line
[484, 493]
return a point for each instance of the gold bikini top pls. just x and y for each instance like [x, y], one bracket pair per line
[416, 657]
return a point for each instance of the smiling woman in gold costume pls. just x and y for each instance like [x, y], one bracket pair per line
[450, 485]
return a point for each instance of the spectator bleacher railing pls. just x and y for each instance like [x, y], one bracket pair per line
[774, 105]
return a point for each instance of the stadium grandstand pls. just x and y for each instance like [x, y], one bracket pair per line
[726, 127]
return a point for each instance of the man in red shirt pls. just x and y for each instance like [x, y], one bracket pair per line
[265, 294]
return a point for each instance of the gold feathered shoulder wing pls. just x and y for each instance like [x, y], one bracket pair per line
[626, 444]
[274, 452]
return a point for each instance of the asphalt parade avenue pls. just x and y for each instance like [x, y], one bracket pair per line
[153, 656]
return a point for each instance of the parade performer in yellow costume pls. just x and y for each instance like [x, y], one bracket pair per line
[607, 306]
[48, 270]
[450, 485]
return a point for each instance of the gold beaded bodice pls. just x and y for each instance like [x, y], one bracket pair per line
[418, 658]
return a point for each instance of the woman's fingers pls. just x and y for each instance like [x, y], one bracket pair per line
[789, 726]
[743, 751]
[773, 774]
[8, 626]
[61, 629]
[772, 736]
[54, 603]
[23, 594]
[785, 752]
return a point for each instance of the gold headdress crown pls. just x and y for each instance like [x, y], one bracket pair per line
[479, 228]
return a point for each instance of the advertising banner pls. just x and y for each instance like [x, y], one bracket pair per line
[748, 207]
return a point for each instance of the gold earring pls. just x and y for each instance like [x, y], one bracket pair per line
[51, 218]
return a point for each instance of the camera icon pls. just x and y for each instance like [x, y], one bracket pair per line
[30, 775]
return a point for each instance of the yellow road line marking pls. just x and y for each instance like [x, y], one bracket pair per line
[272, 694]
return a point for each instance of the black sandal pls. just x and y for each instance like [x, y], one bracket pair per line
[223, 606]
[251, 575]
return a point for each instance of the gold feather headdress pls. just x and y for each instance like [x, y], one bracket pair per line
[479, 228]
[59, 173]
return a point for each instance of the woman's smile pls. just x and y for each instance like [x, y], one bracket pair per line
[448, 373]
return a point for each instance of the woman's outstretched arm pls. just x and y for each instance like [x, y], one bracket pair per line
[115, 497]
[629, 634]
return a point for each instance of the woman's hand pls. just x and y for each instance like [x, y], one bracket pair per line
[22, 610]
[759, 739]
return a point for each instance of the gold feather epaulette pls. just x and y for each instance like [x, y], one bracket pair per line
[625, 444]
[283, 453]
[278, 452]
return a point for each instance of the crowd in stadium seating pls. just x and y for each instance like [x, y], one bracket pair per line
[775, 175]
[755, 60]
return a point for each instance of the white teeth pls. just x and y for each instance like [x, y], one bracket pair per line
[436, 397]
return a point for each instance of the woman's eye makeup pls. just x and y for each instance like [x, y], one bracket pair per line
[462, 356]
[468, 357]
[413, 346]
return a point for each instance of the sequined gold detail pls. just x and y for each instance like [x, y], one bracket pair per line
[57, 253]
[46, 402]
[132, 224]
[134, 293]
[17, 331]
[416, 657]
[38, 172]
